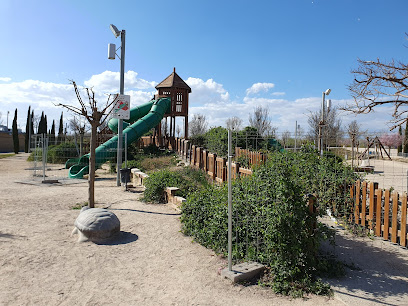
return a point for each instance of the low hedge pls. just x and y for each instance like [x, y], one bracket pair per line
[187, 180]
[272, 221]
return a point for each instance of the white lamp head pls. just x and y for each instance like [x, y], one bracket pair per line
[327, 92]
[115, 30]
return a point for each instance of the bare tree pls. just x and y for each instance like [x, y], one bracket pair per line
[376, 83]
[331, 131]
[261, 121]
[285, 138]
[234, 124]
[79, 128]
[198, 125]
[354, 129]
[178, 130]
[95, 118]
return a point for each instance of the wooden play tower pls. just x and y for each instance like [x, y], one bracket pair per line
[174, 87]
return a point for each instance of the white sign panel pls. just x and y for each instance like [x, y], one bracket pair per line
[121, 110]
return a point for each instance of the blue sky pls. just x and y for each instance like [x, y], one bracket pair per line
[293, 50]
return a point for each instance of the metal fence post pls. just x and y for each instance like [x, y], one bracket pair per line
[229, 202]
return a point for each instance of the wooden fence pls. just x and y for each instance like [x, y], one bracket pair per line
[382, 211]
[216, 167]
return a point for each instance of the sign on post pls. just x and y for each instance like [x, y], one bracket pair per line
[121, 110]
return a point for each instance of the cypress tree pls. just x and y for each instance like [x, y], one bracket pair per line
[399, 149]
[61, 129]
[27, 130]
[41, 125]
[16, 143]
[45, 124]
[52, 132]
[32, 122]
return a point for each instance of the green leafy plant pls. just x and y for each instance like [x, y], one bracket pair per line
[272, 221]
[187, 180]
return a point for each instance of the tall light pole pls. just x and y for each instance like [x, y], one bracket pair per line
[322, 122]
[7, 119]
[112, 47]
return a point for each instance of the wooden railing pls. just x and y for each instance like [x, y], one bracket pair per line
[217, 167]
[382, 211]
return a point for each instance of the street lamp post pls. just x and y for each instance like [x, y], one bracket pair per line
[122, 34]
[322, 122]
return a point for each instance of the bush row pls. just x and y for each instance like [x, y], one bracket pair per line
[272, 222]
[186, 179]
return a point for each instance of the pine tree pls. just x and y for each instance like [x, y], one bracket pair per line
[27, 131]
[16, 143]
[61, 129]
[399, 148]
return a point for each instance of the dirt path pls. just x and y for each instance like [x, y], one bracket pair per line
[152, 263]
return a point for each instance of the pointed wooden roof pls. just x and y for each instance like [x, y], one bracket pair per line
[173, 80]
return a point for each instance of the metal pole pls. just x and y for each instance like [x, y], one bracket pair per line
[29, 133]
[296, 135]
[125, 150]
[229, 202]
[43, 155]
[7, 119]
[120, 121]
[322, 124]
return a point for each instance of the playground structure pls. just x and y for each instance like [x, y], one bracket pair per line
[364, 157]
[171, 101]
[177, 90]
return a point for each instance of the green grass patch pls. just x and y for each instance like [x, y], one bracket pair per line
[6, 155]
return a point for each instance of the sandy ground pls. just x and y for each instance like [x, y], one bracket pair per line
[152, 263]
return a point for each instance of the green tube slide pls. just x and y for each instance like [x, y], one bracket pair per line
[142, 118]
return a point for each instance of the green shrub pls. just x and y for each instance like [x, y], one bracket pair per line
[187, 180]
[61, 153]
[272, 222]
[58, 154]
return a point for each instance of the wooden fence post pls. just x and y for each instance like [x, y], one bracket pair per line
[403, 237]
[193, 155]
[394, 229]
[386, 230]
[373, 187]
[205, 161]
[357, 204]
[378, 193]
[363, 204]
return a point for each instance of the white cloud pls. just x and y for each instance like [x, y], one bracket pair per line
[108, 82]
[43, 96]
[5, 79]
[208, 97]
[278, 93]
[206, 91]
[258, 87]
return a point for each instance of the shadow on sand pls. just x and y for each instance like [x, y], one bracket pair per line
[122, 238]
[146, 212]
[381, 275]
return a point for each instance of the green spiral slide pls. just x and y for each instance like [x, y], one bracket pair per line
[142, 118]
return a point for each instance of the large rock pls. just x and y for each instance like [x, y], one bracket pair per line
[96, 224]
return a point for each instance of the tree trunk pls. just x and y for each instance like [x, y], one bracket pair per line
[92, 161]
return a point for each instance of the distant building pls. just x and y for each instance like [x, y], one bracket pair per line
[3, 129]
